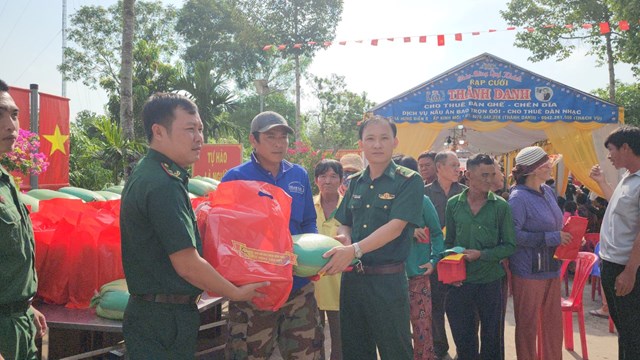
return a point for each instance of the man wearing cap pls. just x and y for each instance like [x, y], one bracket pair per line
[620, 239]
[161, 246]
[444, 187]
[296, 326]
[379, 213]
[20, 323]
[480, 222]
[351, 164]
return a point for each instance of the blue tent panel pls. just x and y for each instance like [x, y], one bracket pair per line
[487, 88]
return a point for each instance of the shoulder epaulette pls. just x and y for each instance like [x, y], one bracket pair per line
[172, 173]
[407, 173]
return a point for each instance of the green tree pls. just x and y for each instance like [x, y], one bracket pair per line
[207, 89]
[335, 125]
[628, 96]
[126, 69]
[295, 22]
[552, 39]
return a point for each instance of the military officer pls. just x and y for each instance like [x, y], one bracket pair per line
[379, 213]
[20, 323]
[161, 247]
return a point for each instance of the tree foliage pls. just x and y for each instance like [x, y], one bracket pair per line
[552, 39]
[335, 125]
[628, 96]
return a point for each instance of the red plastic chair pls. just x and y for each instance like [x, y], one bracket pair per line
[592, 239]
[584, 264]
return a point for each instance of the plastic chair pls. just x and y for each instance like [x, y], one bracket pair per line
[592, 239]
[584, 264]
[595, 275]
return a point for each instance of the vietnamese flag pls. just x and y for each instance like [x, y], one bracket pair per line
[54, 140]
[440, 40]
[21, 98]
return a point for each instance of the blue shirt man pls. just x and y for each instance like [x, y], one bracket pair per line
[296, 325]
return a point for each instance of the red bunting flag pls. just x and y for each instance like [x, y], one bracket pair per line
[530, 29]
[282, 47]
[569, 26]
[458, 37]
[342, 43]
[623, 25]
[587, 26]
[311, 43]
[440, 40]
[374, 42]
[390, 39]
[407, 39]
[267, 47]
[492, 30]
[326, 43]
[297, 46]
[359, 41]
[549, 26]
[511, 28]
[604, 28]
[475, 33]
[423, 39]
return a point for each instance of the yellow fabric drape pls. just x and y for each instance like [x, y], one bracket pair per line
[576, 147]
[416, 138]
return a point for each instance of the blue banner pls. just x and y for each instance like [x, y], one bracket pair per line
[487, 88]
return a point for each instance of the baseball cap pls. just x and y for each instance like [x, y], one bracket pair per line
[267, 120]
[352, 162]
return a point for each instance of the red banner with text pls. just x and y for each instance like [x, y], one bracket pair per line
[216, 159]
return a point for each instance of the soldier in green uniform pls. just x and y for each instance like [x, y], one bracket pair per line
[161, 247]
[379, 213]
[20, 323]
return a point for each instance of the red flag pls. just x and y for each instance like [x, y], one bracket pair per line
[390, 39]
[587, 26]
[374, 42]
[407, 39]
[326, 43]
[604, 28]
[569, 26]
[530, 29]
[267, 47]
[21, 98]
[623, 25]
[475, 33]
[311, 42]
[458, 37]
[342, 43]
[492, 30]
[297, 46]
[549, 26]
[423, 39]
[282, 47]
[54, 140]
[511, 28]
[440, 40]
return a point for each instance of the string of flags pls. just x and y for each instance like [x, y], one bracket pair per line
[604, 27]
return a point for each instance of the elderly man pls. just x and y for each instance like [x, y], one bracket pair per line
[427, 166]
[20, 323]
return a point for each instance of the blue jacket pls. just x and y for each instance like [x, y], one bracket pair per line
[293, 179]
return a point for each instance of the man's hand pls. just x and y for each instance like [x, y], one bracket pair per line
[249, 291]
[344, 239]
[472, 255]
[625, 282]
[565, 238]
[597, 174]
[429, 267]
[421, 235]
[341, 258]
[40, 323]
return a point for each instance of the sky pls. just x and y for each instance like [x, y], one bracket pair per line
[30, 44]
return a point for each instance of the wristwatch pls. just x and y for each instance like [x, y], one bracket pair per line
[358, 251]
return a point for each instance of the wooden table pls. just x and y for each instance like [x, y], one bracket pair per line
[92, 328]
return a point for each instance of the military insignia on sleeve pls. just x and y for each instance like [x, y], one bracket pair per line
[174, 173]
[386, 196]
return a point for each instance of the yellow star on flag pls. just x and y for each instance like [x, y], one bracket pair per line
[57, 141]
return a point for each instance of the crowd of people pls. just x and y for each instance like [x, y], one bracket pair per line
[394, 217]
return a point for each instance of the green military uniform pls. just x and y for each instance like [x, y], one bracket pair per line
[18, 280]
[157, 220]
[375, 308]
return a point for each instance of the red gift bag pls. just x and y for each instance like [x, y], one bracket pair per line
[577, 227]
[246, 238]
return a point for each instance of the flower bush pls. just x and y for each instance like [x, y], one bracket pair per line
[302, 154]
[25, 156]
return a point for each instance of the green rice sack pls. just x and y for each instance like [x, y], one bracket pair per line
[112, 300]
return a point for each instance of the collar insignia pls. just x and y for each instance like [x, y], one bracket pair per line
[386, 196]
[174, 173]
